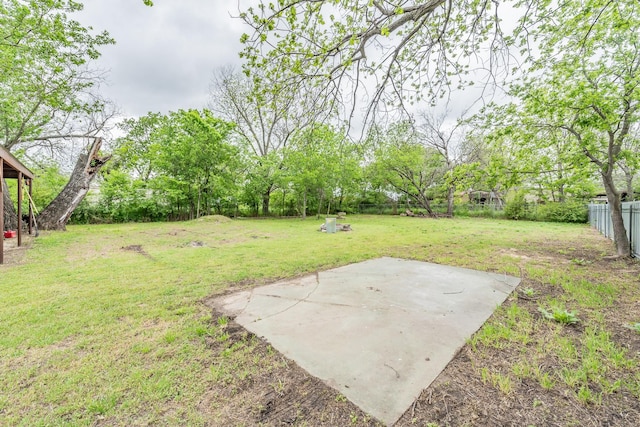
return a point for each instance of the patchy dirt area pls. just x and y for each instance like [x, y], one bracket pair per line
[522, 369]
[14, 254]
[258, 386]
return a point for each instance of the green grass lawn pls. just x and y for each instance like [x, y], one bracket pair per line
[105, 323]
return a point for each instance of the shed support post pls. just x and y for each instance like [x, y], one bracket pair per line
[20, 209]
[1, 213]
[631, 228]
[30, 207]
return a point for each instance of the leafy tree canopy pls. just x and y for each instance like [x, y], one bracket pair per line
[582, 94]
[44, 75]
[411, 48]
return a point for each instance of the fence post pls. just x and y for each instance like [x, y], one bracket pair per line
[631, 228]
[609, 221]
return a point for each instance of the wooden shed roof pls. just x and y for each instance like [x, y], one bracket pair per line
[12, 166]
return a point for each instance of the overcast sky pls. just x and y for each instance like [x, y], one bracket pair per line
[164, 55]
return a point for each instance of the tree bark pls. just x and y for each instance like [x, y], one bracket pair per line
[561, 196]
[628, 177]
[423, 201]
[304, 204]
[615, 203]
[450, 199]
[56, 215]
[199, 199]
[10, 216]
[321, 194]
[284, 198]
[266, 198]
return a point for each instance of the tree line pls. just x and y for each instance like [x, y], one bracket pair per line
[190, 163]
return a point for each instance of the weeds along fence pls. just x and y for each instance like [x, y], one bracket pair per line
[600, 219]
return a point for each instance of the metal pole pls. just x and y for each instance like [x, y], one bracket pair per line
[609, 221]
[631, 228]
[30, 207]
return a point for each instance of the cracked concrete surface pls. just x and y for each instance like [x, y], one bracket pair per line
[378, 331]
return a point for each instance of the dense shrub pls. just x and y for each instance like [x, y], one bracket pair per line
[573, 211]
[516, 208]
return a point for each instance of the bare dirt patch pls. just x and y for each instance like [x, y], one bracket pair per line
[137, 249]
[14, 254]
[255, 385]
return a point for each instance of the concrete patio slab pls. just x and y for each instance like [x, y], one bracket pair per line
[379, 331]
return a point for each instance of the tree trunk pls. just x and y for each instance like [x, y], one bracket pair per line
[198, 207]
[266, 198]
[10, 214]
[615, 203]
[450, 199]
[423, 200]
[284, 199]
[561, 196]
[628, 177]
[56, 215]
[321, 193]
[304, 204]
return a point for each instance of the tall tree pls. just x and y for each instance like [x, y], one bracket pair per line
[46, 83]
[589, 89]
[44, 76]
[411, 49]
[57, 213]
[629, 162]
[319, 164]
[266, 114]
[447, 140]
[193, 153]
[409, 167]
[132, 151]
[541, 160]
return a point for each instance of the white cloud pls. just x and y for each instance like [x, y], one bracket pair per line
[164, 55]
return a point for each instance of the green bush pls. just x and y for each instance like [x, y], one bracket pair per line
[516, 208]
[573, 211]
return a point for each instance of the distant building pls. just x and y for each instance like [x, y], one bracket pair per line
[602, 197]
[490, 198]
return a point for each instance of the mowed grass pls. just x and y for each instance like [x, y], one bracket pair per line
[106, 323]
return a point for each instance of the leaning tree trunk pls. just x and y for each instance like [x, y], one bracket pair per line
[451, 192]
[423, 201]
[266, 198]
[10, 217]
[57, 213]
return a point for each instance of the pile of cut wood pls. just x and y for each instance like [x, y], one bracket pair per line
[409, 212]
[339, 227]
